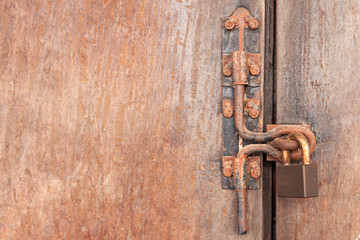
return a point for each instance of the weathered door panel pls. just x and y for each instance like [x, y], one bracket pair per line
[317, 83]
[110, 121]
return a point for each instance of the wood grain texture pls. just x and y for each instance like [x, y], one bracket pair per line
[110, 122]
[317, 83]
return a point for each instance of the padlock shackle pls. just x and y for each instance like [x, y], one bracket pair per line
[305, 149]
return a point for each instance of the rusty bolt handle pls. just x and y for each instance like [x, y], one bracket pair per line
[239, 177]
[260, 148]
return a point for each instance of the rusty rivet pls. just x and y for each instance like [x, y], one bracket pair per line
[254, 70]
[230, 24]
[248, 105]
[227, 162]
[255, 172]
[228, 108]
[255, 167]
[253, 67]
[252, 107]
[227, 171]
[254, 113]
[254, 24]
[227, 66]
[227, 70]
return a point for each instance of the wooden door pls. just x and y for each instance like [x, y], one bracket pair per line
[110, 121]
[318, 68]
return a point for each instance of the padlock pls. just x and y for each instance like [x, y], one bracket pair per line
[297, 180]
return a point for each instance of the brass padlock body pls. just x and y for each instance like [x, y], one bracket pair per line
[299, 181]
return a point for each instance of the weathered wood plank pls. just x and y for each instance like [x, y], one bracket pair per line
[317, 83]
[110, 121]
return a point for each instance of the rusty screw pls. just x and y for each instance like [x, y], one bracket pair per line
[254, 24]
[227, 162]
[248, 105]
[230, 24]
[253, 67]
[255, 171]
[227, 66]
[254, 70]
[227, 70]
[228, 108]
[253, 108]
[255, 166]
[254, 113]
[227, 171]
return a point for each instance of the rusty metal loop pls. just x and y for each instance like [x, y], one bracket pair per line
[272, 134]
[283, 144]
[260, 148]
[301, 139]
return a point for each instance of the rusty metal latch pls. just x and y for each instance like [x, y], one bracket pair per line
[243, 135]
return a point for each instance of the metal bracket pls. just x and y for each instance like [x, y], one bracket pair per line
[241, 65]
[253, 171]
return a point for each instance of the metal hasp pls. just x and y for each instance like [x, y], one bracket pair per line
[241, 52]
[241, 66]
[243, 116]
